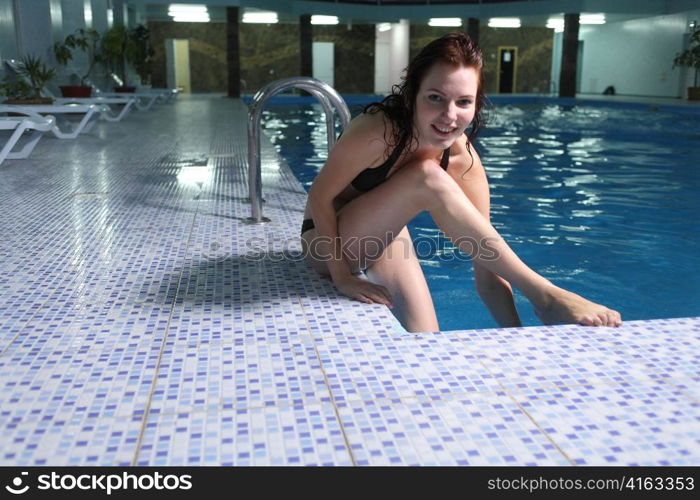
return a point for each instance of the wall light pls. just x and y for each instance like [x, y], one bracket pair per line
[384, 26]
[445, 21]
[324, 20]
[188, 13]
[591, 19]
[260, 17]
[557, 24]
[504, 22]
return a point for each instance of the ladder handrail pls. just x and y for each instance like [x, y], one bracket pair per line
[323, 92]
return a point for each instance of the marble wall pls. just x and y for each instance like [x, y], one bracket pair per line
[207, 53]
[534, 53]
[270, 52]
[354, 56]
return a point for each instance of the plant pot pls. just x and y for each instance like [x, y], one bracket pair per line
[129, 90]
[25, 102]
[694, 93]
[76, 91]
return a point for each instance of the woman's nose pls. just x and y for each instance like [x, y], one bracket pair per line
[450, 111]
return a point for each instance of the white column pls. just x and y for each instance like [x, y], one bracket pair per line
[390, 56]
[382, 69]
[100, 15]
[33, 28]
[557, 42]
[399, 50]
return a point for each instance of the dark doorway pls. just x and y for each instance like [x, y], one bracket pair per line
[507, 57]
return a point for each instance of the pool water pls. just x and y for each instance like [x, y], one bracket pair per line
[602, 201]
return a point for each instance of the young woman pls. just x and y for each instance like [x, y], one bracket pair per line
[410, 153]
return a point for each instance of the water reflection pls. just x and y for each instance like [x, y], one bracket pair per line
[611, 193]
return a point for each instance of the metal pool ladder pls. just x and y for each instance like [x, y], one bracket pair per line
[323, 92]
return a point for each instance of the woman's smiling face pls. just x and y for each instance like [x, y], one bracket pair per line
[445, 105]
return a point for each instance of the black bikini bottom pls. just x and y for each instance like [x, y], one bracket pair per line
[306, 225]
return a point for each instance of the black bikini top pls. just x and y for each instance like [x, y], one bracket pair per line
[370, 178]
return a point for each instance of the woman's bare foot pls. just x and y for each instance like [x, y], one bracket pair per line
[563, 307]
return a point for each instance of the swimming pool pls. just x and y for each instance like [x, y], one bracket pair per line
[602, 200]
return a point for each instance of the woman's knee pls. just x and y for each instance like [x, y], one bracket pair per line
[429, 176]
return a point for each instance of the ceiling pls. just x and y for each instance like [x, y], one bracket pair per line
[531, 12]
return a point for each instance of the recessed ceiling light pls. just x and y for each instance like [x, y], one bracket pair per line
[445, 21]
[260, 17]
[327, 20]
[591, 19]
[504, 22]
[556, 23]
[188, 13]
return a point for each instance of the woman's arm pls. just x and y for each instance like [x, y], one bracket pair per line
[495, 292]
[361, 146]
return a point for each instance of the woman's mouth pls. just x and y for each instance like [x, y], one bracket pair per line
[443, 131]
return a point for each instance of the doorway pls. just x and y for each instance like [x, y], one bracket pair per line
[323, 64]
[177, 59]
[507, 72]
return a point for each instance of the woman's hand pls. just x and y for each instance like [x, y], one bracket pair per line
[363, 290]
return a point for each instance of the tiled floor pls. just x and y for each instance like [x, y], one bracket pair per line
[142, 322]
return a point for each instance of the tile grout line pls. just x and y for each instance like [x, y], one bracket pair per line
[668, 382]
[328, 386]
[21, 330]
[146, 412]
[520, 407]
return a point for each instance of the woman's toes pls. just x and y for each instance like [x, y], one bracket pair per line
[605, 319]
[609, 318]
[618, 319]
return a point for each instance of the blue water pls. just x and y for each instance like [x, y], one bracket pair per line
[602, 201]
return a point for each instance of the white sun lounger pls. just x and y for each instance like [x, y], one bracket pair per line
[107, 112]
[19, 125]
[144, 101]
[90, 112]
[164, 95]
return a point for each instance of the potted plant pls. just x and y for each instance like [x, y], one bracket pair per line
[143, 53]
[118, 48]
[27, 89]
[86, 40]
[690, 58]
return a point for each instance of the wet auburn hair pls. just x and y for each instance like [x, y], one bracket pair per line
[456, 49]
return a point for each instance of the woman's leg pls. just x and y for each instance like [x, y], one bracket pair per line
[398, 270]
[369, 223]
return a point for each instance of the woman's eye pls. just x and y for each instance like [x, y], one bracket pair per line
[464, 103]
[434, 98]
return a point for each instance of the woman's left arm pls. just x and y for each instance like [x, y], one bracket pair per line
[495, 292]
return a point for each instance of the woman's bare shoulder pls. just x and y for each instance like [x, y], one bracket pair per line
[366, 136]
[362, 145]
[370, 126]
[464, 150]
[465, 159]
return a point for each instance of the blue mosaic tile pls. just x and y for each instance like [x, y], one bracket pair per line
[621, 424]
[474, 429]
[134, 302]
[232, 377]
[391, 366]
[303, 435]
[40, 386]
[72, 442]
